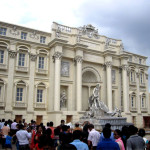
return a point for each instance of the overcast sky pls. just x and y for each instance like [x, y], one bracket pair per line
[128, 20]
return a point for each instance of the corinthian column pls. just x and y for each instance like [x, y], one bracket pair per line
[57, 58]
[78, 60]
[125, 88]
[109, 84]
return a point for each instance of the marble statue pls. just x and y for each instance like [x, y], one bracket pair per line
[63, 99]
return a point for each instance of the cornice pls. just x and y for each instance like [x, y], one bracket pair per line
[109, 52]
[57, 41]
[80, 46]
[141, 65]
[24, 28]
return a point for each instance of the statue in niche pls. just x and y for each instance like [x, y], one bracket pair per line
[63, 99]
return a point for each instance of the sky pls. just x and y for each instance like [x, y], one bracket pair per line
[128, 20]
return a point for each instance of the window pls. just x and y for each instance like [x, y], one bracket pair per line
[23, 35]
[1, 56]
[140, 61]
[132, 101]
[39, 95]
[19, 96]
[130, 58]
[0, 91]
[42, 39]
[113, 76]
[143, 102]
[3, 31]
[141, 77]
[41, 63]
[21, 59]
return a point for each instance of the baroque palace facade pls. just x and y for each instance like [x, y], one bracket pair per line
[36, 67]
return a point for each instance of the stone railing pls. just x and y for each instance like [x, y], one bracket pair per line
[2, 104]
[20, 104]
[63, 28]
[132, 83]
[3, 66]
[21, 68]
[41, 71]
[143, 109]
[133, 109]
[39, 105]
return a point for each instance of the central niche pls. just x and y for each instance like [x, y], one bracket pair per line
[90, 78]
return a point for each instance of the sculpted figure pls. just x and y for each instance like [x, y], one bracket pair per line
[63, 99]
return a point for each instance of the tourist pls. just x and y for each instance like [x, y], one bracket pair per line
[61, 124]
[5, 129]
[77, 136]
[134, 142]
[125, 134]
[23, 137]
[93, 137]
[39, 132]
[77, 127]
[52, 129]
[117, 136]
[142, 134]
[8, 141]
[107, 125]
[56, 138]
[13, 127]
[107, 143]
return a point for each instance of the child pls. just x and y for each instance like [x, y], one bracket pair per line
[8, 141]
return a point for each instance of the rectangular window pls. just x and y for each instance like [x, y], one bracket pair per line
[131, 76]
[140, 61]
[1, 56]
[130, 58]
[113, 76]
[19, 96]
[23, 35]
[42, 39]
[143, 102]
[21, 59]
[0, 91]
[3, 31]
[39, 95]
[132, 101]
[141, 77]
[41, 62]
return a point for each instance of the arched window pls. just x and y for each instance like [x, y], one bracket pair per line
[40, 95]
[22, 62]
[20, 99]
[132, 74]
[3, 55]
[42, 61]
[2, 93]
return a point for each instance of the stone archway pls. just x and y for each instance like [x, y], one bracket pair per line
[90, 77]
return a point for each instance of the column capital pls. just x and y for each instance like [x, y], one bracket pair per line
[57, 55]
[125, 67]
[33, 56]
[12, 54]
[78, 59]
[108, 64]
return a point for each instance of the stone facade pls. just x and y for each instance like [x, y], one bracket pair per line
[36, 66]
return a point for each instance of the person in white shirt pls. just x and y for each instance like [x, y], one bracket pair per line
[93, 137]
[23, 137]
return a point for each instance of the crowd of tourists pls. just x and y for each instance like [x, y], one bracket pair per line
[82, 137]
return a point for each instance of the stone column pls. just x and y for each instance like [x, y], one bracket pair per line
[10, 87]
[125, 88]
[31, 83]
[147, 102]
[78, 60]
[57, 58]
[109, 84]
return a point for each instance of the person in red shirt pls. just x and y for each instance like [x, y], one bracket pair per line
[52, 129]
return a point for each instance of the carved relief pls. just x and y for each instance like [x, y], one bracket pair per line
[108, 64]
[33, 57]
[14, 31]
[12, 54]
[137, 74]
[34, 36]
[57, 55]
[78, 59]
[89, 30]
[64, 68]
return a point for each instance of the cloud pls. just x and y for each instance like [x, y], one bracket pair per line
[122, 19]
